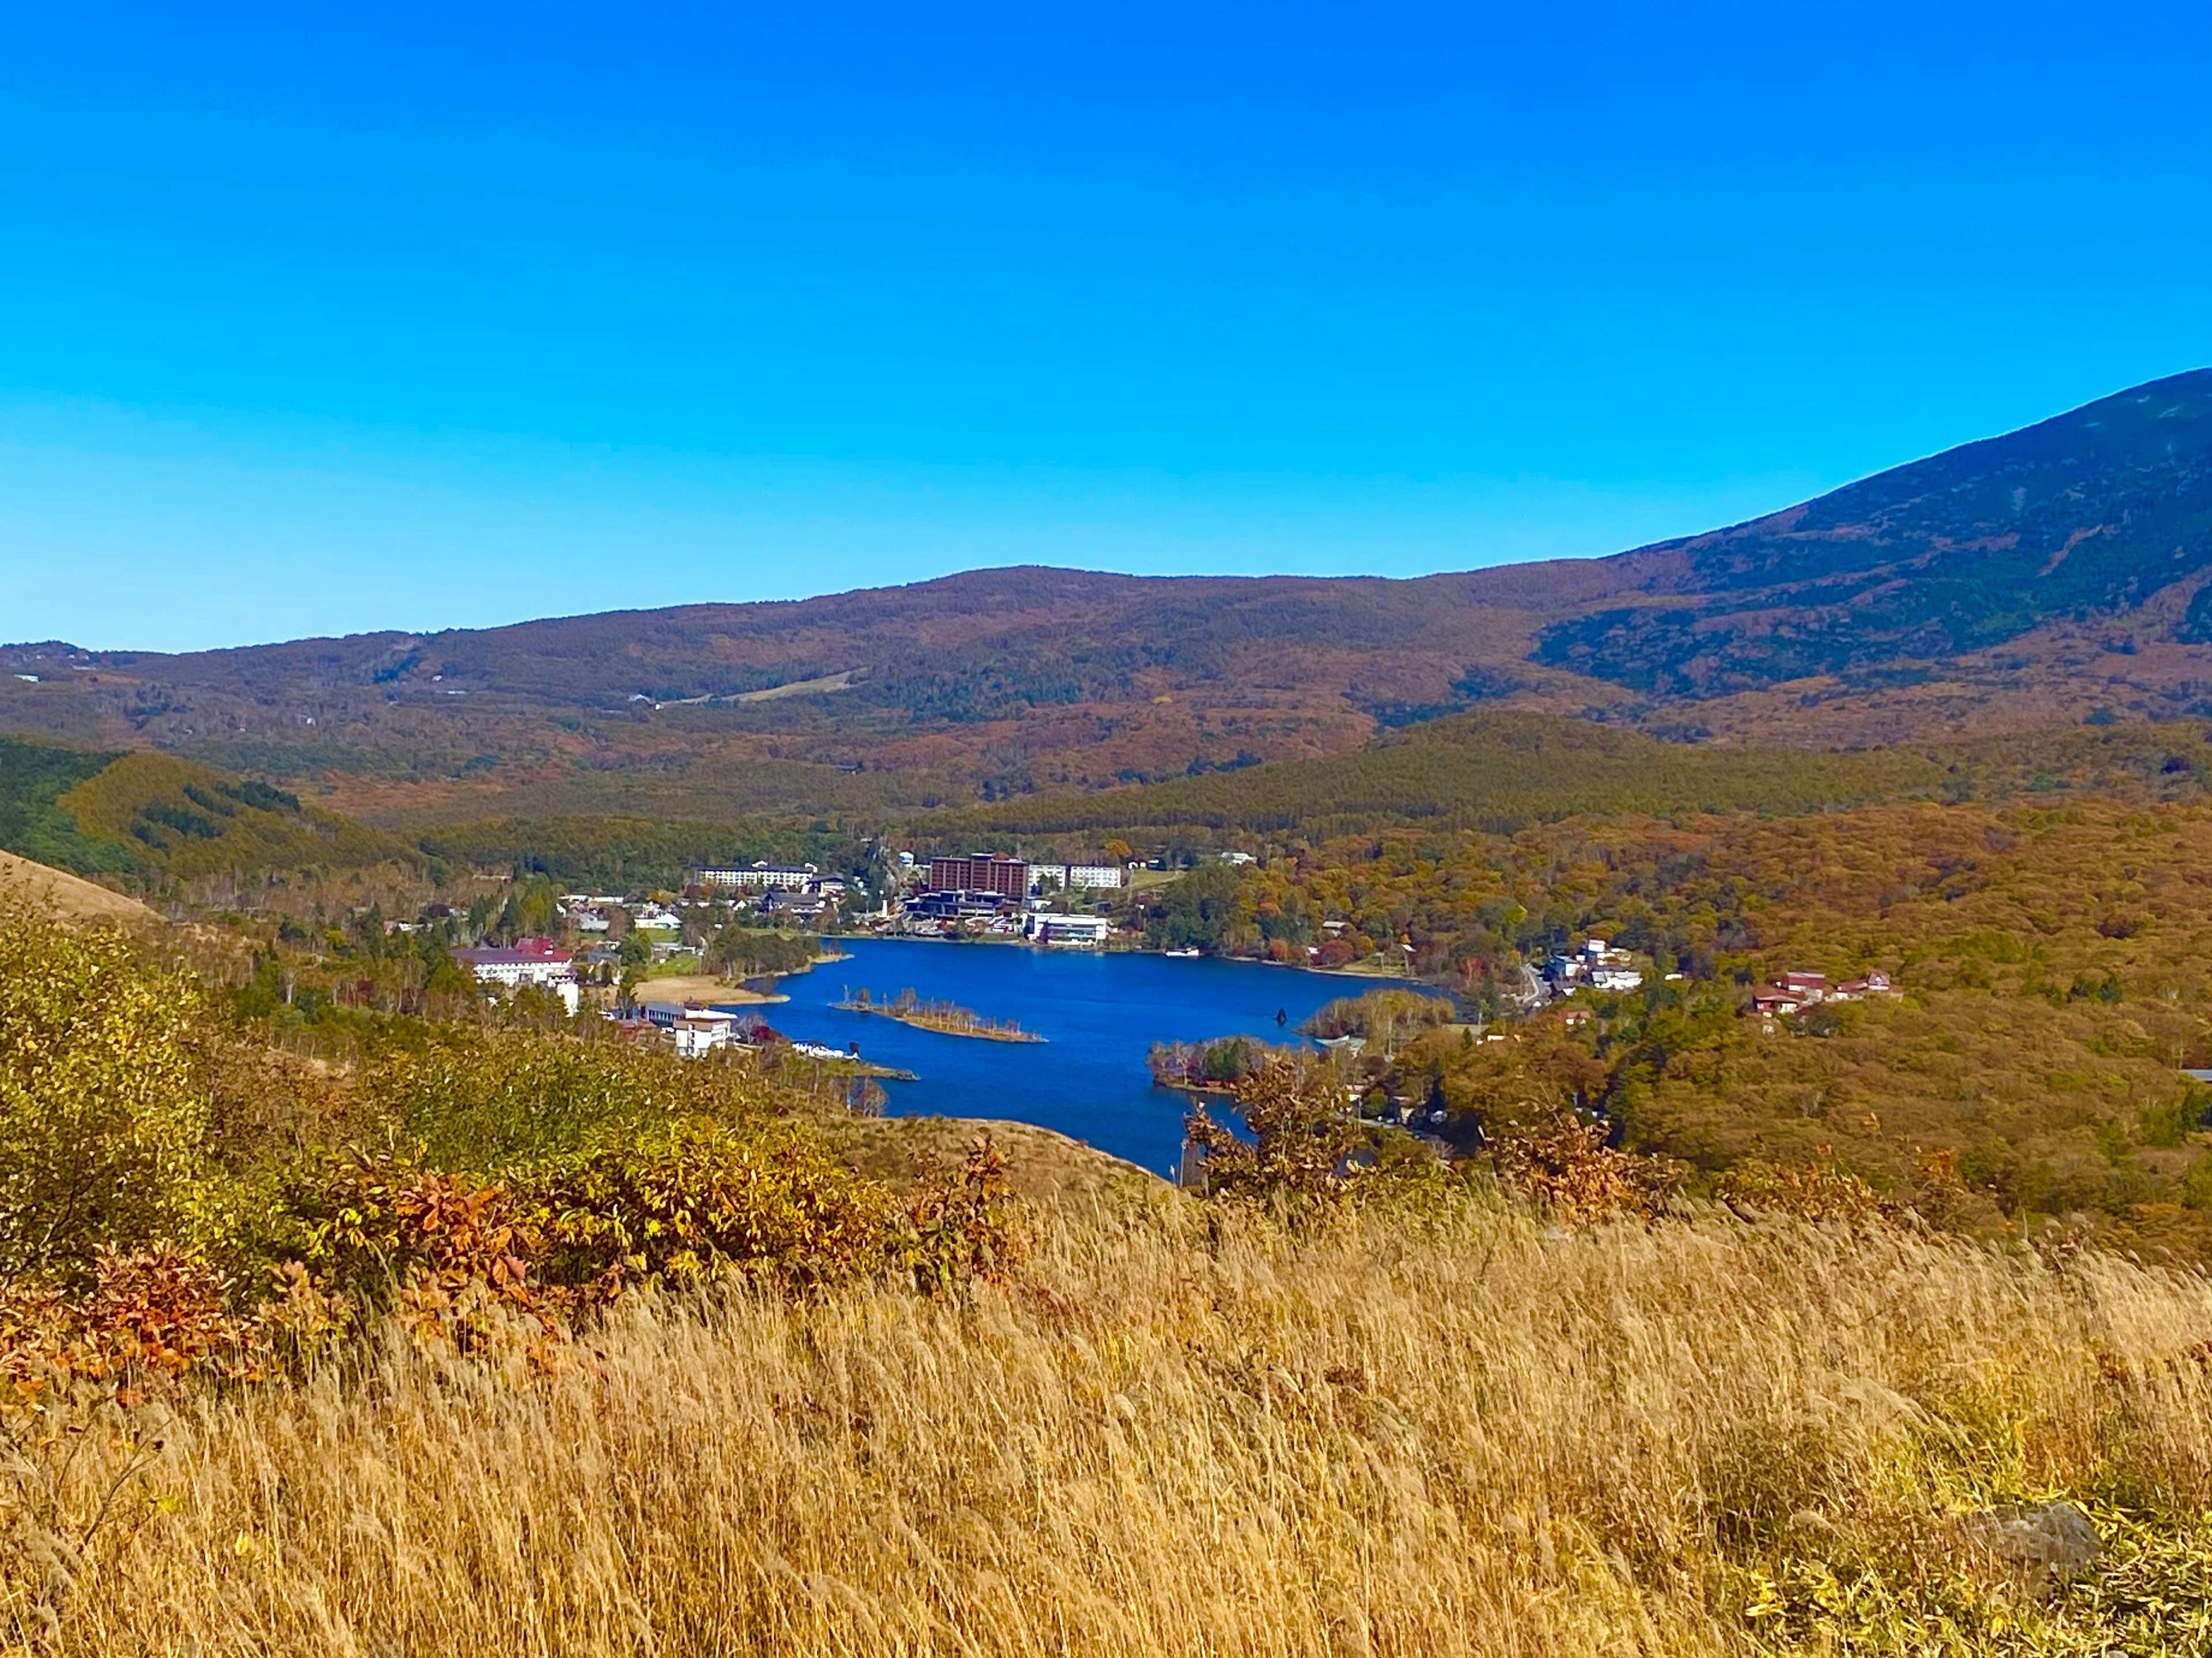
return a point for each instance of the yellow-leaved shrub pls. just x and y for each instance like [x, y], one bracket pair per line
[103, 1118]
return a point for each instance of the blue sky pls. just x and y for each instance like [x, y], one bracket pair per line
[417, 316]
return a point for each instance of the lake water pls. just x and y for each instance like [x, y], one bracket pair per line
[1099, 1013]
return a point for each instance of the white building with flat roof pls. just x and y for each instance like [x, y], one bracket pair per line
[1077, 877]
[536, 961]
[1083, 931]
[758, 877]
[700, 1030]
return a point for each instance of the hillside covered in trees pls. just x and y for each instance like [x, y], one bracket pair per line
[1506, 768]
[2045, 576]
[2092, 513]
[2052, 963]
[154, 824]
[152, 821]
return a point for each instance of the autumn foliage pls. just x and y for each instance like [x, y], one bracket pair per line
[2052, 953]
[173, 1198]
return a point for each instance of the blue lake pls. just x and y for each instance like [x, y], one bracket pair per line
[1099, 1014]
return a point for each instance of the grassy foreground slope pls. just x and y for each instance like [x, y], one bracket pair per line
[1469, 1436]
[602, 1353]
[24, 884]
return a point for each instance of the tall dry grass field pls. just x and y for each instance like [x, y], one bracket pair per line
[1182, 1433]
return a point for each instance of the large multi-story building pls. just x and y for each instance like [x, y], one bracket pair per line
[791, 877]
[531, 962]
[1077, 877]
[981, 872]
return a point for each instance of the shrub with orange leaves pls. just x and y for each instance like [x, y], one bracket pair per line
[964, 1224]
[691, 1201]
[1565, 1166]
[697, 1199]
[368, 1227]
[147, 1318]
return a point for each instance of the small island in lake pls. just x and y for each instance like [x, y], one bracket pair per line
[944, 1017]
[1214, 1067]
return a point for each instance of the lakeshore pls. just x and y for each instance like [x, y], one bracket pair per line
[1100, 1012]
[707, 990]
[1371, 967]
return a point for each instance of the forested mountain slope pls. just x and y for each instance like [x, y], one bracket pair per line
[150, 821]
[1505, 769]
[2095, 511]
[2048, 574]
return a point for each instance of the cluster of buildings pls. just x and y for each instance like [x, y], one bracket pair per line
[784, 894]
[593, 914]
[995, 874]
[997, 895]
[690, 1029]
[1595, 966]
[1794, 992]
[989, 892]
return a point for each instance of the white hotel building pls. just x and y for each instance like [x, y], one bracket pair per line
[759, 878]
[531, 962]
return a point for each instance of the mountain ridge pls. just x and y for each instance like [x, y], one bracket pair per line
[2057, 573]
[2013, 507]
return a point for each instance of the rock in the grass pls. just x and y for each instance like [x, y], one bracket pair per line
[2040, 1539]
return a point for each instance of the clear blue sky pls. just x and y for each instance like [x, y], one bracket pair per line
[318, 319]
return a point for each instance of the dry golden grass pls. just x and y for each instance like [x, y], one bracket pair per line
[1044, 1167]
[1185, 1433]
[28, 885]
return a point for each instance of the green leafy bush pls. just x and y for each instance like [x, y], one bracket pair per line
[695, 1197]
[104, 1117]
[455, 1166]
[484, 1101]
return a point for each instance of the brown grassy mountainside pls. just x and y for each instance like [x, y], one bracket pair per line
[2037, 577]
[56, 892]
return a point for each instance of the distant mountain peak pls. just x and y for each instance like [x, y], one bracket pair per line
[2093, 511]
